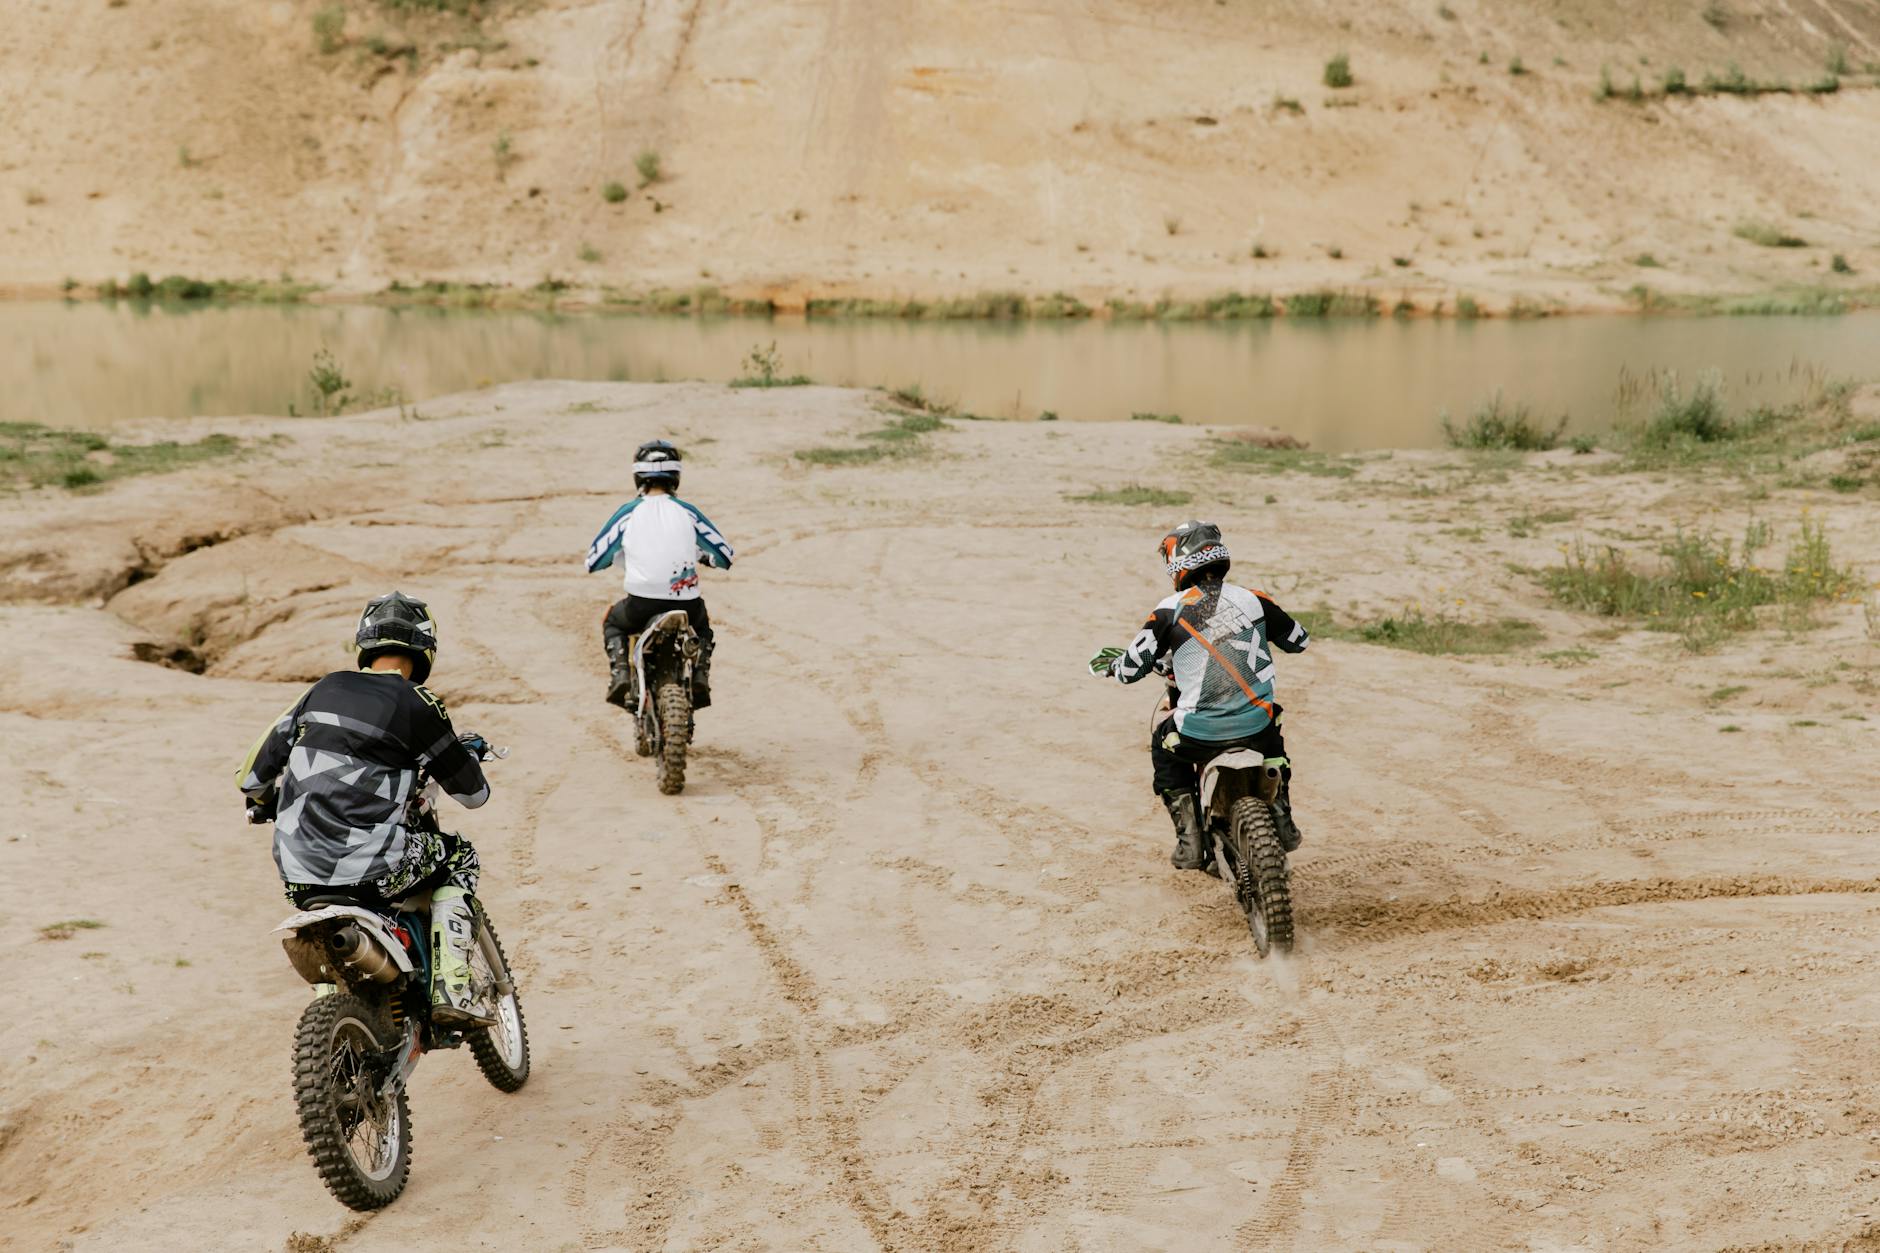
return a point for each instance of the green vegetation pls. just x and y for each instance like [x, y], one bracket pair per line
[1495, 425]
[1675, 83]
[1839, 265]
[1645, 261]
[1135, 494]
[1238, 454]
[1331, 304]
[1338, 71]
[1441, 634]
[899, 440]
[34, 455]
[704, 300]
[1719, 695]
[1715, 15]
[1467, 309]
[1583, 444]
[1768, 236]
[647, 163]
[176, 287]
[1703, 587]
[1516, 68]
[329, 28]
[64, 930]
[504, 150]
[1696, 417]
[614, 192]
[764, 368]
[1172, 419]
[588, 253]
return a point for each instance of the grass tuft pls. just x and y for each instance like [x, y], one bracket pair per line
[899, 440]
[1338, 72]
[1498, 425]
[33, 455]
[1171, 419]
[1135, 494]
[1768, 236]
[65, 930]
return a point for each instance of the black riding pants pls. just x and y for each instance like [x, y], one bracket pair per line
[630, 615]
[1178, 759]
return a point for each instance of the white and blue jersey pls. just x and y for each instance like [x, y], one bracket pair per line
[1218, 639]
[660, 540]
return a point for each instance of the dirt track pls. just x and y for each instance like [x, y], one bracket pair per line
[906, 967]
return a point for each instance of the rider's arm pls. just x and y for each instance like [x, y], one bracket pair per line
[606, 546]
[711, 545]
[268, 757]
[1282, 631]
[1138, 660]
[453, 766]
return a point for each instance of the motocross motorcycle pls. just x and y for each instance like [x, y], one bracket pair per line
[664, 656]
[1240, 836]
[369, 1023]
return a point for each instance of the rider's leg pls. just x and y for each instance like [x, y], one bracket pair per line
[1273, 745]
[615, 635]
[701, 673]
[1176, 782]
[453, 937]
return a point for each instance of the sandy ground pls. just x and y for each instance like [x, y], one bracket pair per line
[906, 967]
[923, 148]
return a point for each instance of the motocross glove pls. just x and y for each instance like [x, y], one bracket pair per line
[478, 746]
[1103, 662]
[262, 810]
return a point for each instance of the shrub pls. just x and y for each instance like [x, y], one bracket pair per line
[1338, 71]
[329, 27]
[329, 383]
[614, 193]
[1516, 68]
[1645, 261]
[589, 253]
[1825, 86]
[1675, 84]
[1170, 419]
[764, 367]
[1839, 265]
[1715, 15]
[1495, 425]
[1605, 84]
[647, 163]
[139, 287]
[1698, 417]
[1467, 308]
[1837, 59]
[1768, 236]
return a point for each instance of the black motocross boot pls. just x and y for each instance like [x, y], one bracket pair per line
[620, 676]
[1290, 837]
[1190, 853]
[702, 678]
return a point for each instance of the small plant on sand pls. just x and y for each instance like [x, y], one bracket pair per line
[764, 367]
[898, 440]
[1704, 587]
[647, 163]
[1715, 15]
[1338, 71]
[1675, 84]
[32, 455]
[1767, 236]
[1135, 494]
[589, 254]
[614, 193]
[1645, 261]
[1583, 444]
[1499, 425]
[1837, 59]
[1517, 68]
[1172, 223]
[504, 150]
[1685, 417]
[329, 28]
[1467, 308]
[329, 383]
[65, 930]
[1839, 265]
[1443, 634]
[1172, 419]
[1241, 455]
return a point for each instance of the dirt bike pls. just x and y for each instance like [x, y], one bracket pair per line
[360, 1039]
[664, 656]
[1240, 834]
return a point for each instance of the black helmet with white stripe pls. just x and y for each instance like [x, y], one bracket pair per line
[1194, 550]
[656, 462]
[399, 624]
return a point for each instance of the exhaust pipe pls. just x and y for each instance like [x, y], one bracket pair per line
[362, 955]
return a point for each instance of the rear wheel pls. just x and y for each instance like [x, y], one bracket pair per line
[360, 1140]
[502, 1050]
[675, 733]
[1263, 886]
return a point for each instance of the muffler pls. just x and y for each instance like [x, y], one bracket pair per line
[362, 955]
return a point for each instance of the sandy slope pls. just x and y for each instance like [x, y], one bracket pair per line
[897, 148]
[906, 967]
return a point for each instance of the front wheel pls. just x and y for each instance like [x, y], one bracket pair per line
[360, 1139]
[675, 733]
[1263, 886]
[501, 1050]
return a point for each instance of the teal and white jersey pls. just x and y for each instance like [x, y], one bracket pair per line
[1217, 638]
[660, 540]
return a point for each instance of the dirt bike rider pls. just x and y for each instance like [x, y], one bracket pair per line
[334, 774]
[1211, 638]
[659, 540]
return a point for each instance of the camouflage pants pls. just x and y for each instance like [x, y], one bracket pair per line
[433, 859]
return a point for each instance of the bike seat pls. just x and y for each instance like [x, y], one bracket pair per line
[338, 898]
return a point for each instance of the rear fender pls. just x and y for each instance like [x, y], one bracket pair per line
[1228, 778]
[673, 621]
[306, 952]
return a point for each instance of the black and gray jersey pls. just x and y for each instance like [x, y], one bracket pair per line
[345, 758]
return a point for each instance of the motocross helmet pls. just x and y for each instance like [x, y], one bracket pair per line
[656, 462]
[1194, 550]
[397, 623]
